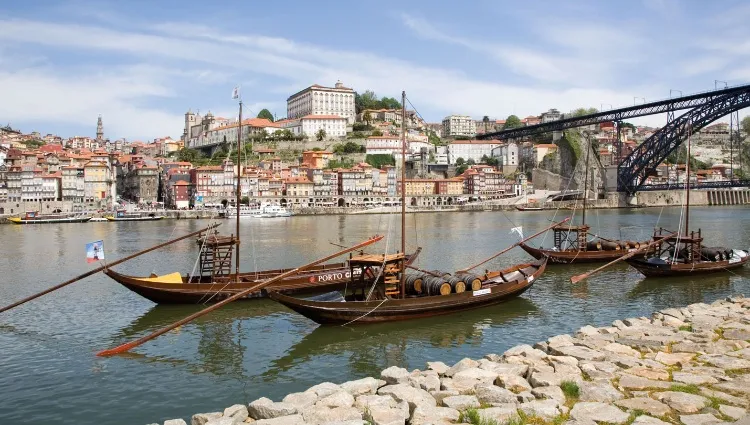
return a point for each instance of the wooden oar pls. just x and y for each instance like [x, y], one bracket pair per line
[129, 345]
[580, 277]
[513, 246]
[98, 269]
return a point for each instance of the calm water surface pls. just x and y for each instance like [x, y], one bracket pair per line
[49, 374]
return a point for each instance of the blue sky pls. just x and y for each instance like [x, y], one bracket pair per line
[142, 64]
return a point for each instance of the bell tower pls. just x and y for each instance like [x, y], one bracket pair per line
[99, 129]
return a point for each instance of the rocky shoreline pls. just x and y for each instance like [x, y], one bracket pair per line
[686, 366]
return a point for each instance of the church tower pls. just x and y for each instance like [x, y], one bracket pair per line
[99, 129]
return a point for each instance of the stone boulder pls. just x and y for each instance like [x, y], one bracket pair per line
[499, 415]
[438, 367]
[264, 408]
[362, 386]
[175, 422]
[282, 420]
[645, 404]
[467, 379]
[580, 353]
[637, 383]
[395, 375]
[414, 396]
[323, 415]
[494, 395]
[202, 418]
[550, 392]
[461, 402]
[601, 391]
[682, 402]
[598, 412]
[513, 383]
[426, 414]
[338, 399]
[465, 363]
[222, 421]
[324, 389]
[701, 419]
[301, 400]
[674, 358]
[545, 409]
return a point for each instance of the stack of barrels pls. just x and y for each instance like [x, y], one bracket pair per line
[428, 284]
[715, 253]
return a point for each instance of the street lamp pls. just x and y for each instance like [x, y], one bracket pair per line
[716, 84]
[673, 90]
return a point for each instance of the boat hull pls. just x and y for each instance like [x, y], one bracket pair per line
[679, 269]
[323, 278]
[158, 217]
[575, 257]
[17, 220]
[361, 312]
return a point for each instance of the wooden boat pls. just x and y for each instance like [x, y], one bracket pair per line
[174, 288]
[528, 208]
[683, 255]
[33, 217]
[122, 215]
[496, 287]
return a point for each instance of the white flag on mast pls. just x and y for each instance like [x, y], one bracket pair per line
[236, 93]
[518, 230]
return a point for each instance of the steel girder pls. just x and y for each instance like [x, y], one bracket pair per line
[634, 169]
[724, 184]
[663, 106]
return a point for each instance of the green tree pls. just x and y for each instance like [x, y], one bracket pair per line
[188, 155]
[320, 135]
[433, 137]
[460, 161]
[584, 111]
[379, 160]
[460, 169]
[745, 123]
[489, 160]
[377, 133]
[389, 103]
[512, 122]
[366, 117]
[471, 161]
[265, 113]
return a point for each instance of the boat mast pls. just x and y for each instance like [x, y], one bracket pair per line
[687, 184]
[586, 181]
[237, 228]
[403, 191]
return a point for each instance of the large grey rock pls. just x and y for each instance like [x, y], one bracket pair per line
[440, 395]
[506, 368]
[499, 415]
[301, 400]
[381, 414]
[324, 389]
[737, 387]
[560, 341]
[674, 358]
[546, 379]
[581, 353]
[427, 382]
[323, 415]
[587, 330]
[222, 421]
[513, 383]
[648, 373]
[237, 412]
[733, 412]
[202, 418]
[282, 420]
[673, 312]
[414, 396]
[367, 401]
[614, 347]
[690, 378]
[702, 419]
[467, 379]
[175, 422]
[367, 385]
[395, 375]
[598, 412]
[494, 395]
[525, 350]
[599, 370]
[725, 362]
[438, 367]
[461, 402]
[740, 334]
[465, 363]
[564, 365]
[682, 402]
[727, 398]
[338, 399]
[648, 420]
[602, 391]
[550, 392]
[525, 396]
[264, 408]
[637, 383]
[646, 404]
[546, 409]
[425, 414]
[541, 368]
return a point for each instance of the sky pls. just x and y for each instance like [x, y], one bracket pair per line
[141, 64]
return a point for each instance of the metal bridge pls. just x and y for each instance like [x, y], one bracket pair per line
[705, 107]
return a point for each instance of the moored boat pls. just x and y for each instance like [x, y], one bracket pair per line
[122, 215]
[33, 217]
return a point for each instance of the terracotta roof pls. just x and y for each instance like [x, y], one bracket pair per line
[181, 183]
[546, 145]
[300, 179]
[210, 168]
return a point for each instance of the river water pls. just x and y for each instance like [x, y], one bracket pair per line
[49, 373]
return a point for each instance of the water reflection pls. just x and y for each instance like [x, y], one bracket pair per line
[683, 290]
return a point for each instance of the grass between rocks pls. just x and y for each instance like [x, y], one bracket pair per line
[690, 388]
[473, 416]
[571, 391]
[688, 328]
[634, 414]
[734, 372]
[713, 402]
[719, 334]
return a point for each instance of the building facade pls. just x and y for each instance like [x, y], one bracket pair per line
[459, 126]
[320, 100]
[471, 149]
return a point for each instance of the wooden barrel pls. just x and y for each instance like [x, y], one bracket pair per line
[413, 283]
[435, 286]
[473, 282]
[593, 246]
[457, 284]
[610, 246]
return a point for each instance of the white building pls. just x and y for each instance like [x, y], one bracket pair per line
[334, 126]
[391, 145]
[471, 149]
[551, 115]
[319, 100]
[220, 130]
[459, 125]
[507, 154]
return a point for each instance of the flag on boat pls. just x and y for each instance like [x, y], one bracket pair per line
[518, 230]
[236, 93]
[94, 251]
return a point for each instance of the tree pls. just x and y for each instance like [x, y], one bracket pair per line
[366, 117]
[460, 161]
[471, 162]
[486, 121]
[460, 169]
[489, 160]
[745, 123]
[389, 103]
[379, 160]
[377, 133]
[245, 200]
[584, 111]
[320, 135]
[188, 155]
[433, 138]
[265, 113]
[512, 122]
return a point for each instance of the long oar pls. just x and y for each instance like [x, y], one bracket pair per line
[513, 246]
[127, 346]
[98, 269]
[580, 277]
